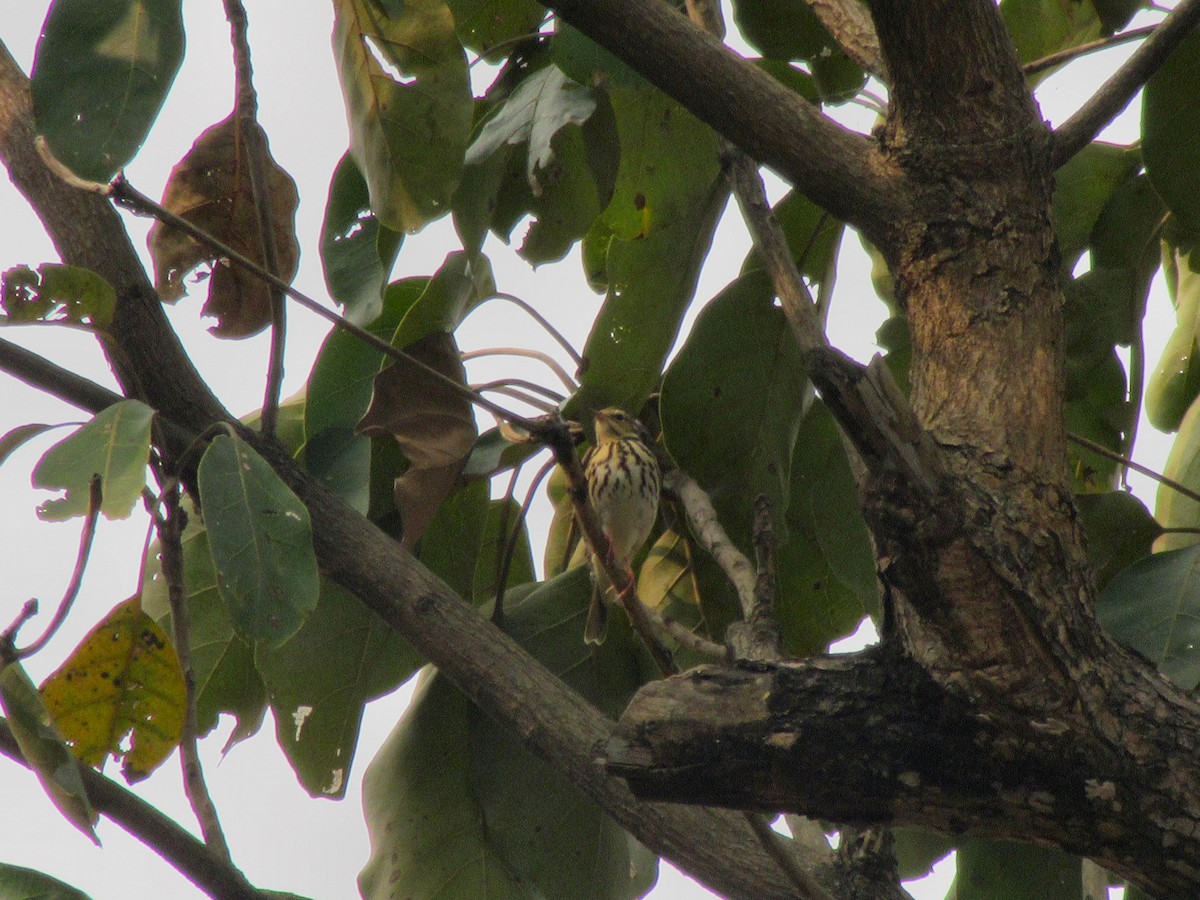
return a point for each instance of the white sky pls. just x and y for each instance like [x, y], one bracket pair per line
[283, 839]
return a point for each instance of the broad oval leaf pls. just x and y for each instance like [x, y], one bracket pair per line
[484, 25]
[260, 536]
[210, 187]
[357, 252]
[408, 98]
[18, 883]
[1154, 606]
[13, 440]
[1170, 123]
[1119, 529]
[57, 294]
[116, 446]
[226, 678]
[102, 71]
[648, 245]
[456, 807]
[732, 401]
[319, 682]
[1171, 508]
[45, 749]
[1082, 188]
[989, 868]
[120, 694]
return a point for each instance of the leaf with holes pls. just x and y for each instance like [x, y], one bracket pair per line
[57, 294]
[120, 694]
[116, 446]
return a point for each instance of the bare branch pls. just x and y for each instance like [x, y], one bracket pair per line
[1062, 56]
[1116, 93]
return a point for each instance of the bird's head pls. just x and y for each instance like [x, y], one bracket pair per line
[614, 424]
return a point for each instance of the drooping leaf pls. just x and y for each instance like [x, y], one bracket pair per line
[1171, 508]
[210, 187]
[1170, 121]
[102, 71]
[57, 294]
[226, 678]
[460, 284]
[120, 693]
[357, 252]
[44, 748]
[116, 446]
[1082, 189]
[319, 682]
[1175, 381]
[1119, 529]
[454, 803]
[404, 80]
[260, 536]
[648, 245]
[434, 426]
[18, 883]
[1154, 606]
[13, 440]
[1041, 27]
[339, 392]
[732, 401]
[989, 869]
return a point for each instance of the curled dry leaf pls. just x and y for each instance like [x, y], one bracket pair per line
[433, 425]
[210, 187]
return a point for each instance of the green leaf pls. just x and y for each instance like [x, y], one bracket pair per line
[44, 748]
[227, 680]
[1041, 27]
[917, 849]
[408, 130]
[450, 545]
[120, 694]
[1170, 122]
[357, 252]
[494, 543]
[56, 294]
[1082, 189]
[1004, 870]
[116, 446]
[585, 61]
[1175, 382]
[260, 537]
[339, 392]
[100, 76]
[1154, 606]
[463, 281]
[1119, 529]
[1172, 509]
[813, 236]
[648, 244]
[319, 682]
[482, 25]
[17, 883]
[732, 401]
[18, 437]
[456, 807]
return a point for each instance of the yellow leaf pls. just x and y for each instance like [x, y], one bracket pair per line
[121, 693]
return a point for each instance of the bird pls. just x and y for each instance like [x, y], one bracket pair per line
[623, 481]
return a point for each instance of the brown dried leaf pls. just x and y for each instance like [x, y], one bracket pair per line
[210, 187]
[433, 425]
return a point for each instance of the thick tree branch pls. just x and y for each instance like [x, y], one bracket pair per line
[921, 757]
[211, 874]
[835, 168]
[1116, 93]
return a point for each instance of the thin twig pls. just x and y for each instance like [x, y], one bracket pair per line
[702, 517]
[126, 195]
[550, 362]
[95, 498]
[557, 335]
[1116, 93]
[170, 524]
[255, 147]
[509, 388]
[809, 888]
[1101, 450]
[1062, 56]
[215, 876]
